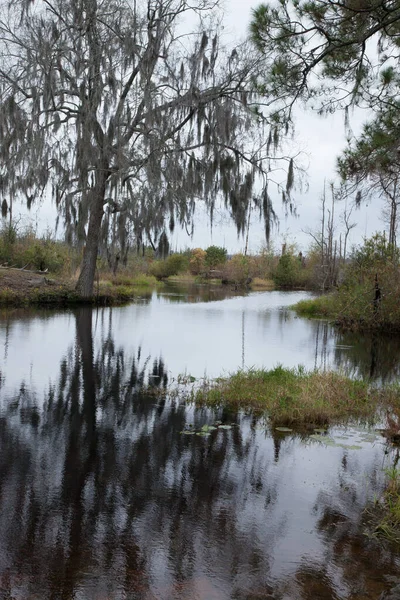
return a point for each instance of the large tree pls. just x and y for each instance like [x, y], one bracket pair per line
[329, 53]
[114, 107]
[372, 161]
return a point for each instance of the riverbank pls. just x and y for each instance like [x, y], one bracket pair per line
[352, 312]
[24, 288]
[20, 287]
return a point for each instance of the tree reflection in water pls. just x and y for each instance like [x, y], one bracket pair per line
[101, 497]
[366, 355]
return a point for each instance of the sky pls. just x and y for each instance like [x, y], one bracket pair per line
[320, 138]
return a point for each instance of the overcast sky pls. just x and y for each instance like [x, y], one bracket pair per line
[321, 139]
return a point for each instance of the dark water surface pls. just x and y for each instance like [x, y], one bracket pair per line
[102, 496]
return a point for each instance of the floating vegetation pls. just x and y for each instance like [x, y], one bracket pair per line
[205, 430]
[283, 429]
[329, 441]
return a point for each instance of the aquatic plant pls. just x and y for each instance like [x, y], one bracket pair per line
[295, 396]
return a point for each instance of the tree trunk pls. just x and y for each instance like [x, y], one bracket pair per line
[85, 282]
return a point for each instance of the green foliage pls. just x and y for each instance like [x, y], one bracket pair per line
[26, 250]
[325, 53]
[374, 255]
[386, 514]
[322, 306]
[287, 273]
[174, 264]
[295, 396]
[371, 160]
[215, 256]
[354, 304]
[143, 280]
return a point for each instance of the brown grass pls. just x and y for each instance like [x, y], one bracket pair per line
[262, 284]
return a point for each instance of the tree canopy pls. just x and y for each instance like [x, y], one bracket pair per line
[120, 108]
[328, 52]
[375, 154]
[329, 55]
[372, 161]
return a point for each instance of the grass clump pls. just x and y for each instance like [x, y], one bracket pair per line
[144, 281]
[322, 306]
[262, 284]
[294, 396]
[385, 515]
[172, 265]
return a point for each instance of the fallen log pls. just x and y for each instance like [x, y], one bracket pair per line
[24, 270]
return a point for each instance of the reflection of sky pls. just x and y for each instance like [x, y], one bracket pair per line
[211, 338]
[241, 513]
[32, 349]
[274, 508]
[207, 337]
[197, 338]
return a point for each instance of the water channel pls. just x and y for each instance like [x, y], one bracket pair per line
[103, 498]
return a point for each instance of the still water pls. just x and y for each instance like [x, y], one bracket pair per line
[103, 498]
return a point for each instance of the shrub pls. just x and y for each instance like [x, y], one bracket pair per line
[26, 250]
[287, 273]
[197, 261]
[215, 256]
[263, 265]
[174, 264]
[237, 269]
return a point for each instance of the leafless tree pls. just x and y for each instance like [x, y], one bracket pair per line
[325, 241]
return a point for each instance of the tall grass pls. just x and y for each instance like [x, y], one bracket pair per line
[322, 306]
[385, 515]
[294, 396]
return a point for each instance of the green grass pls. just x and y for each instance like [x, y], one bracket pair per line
[384, 516]
[294, 396]
[321, 306]
[143, 280]
[57, 295]
[352, 308]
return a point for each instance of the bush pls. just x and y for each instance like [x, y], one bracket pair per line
[237, 269]
[215, 256]
[375, 253]
[287, 273]
[263, 265]
[26, 250]
[174, 264]
[369, 296]
[197, 262]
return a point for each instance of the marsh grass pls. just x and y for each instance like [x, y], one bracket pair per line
[384, 515]
[128, 280]
[321, 306]
[297, 397]
[262, 284]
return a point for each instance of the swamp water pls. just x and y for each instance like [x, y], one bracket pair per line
[103, 498]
